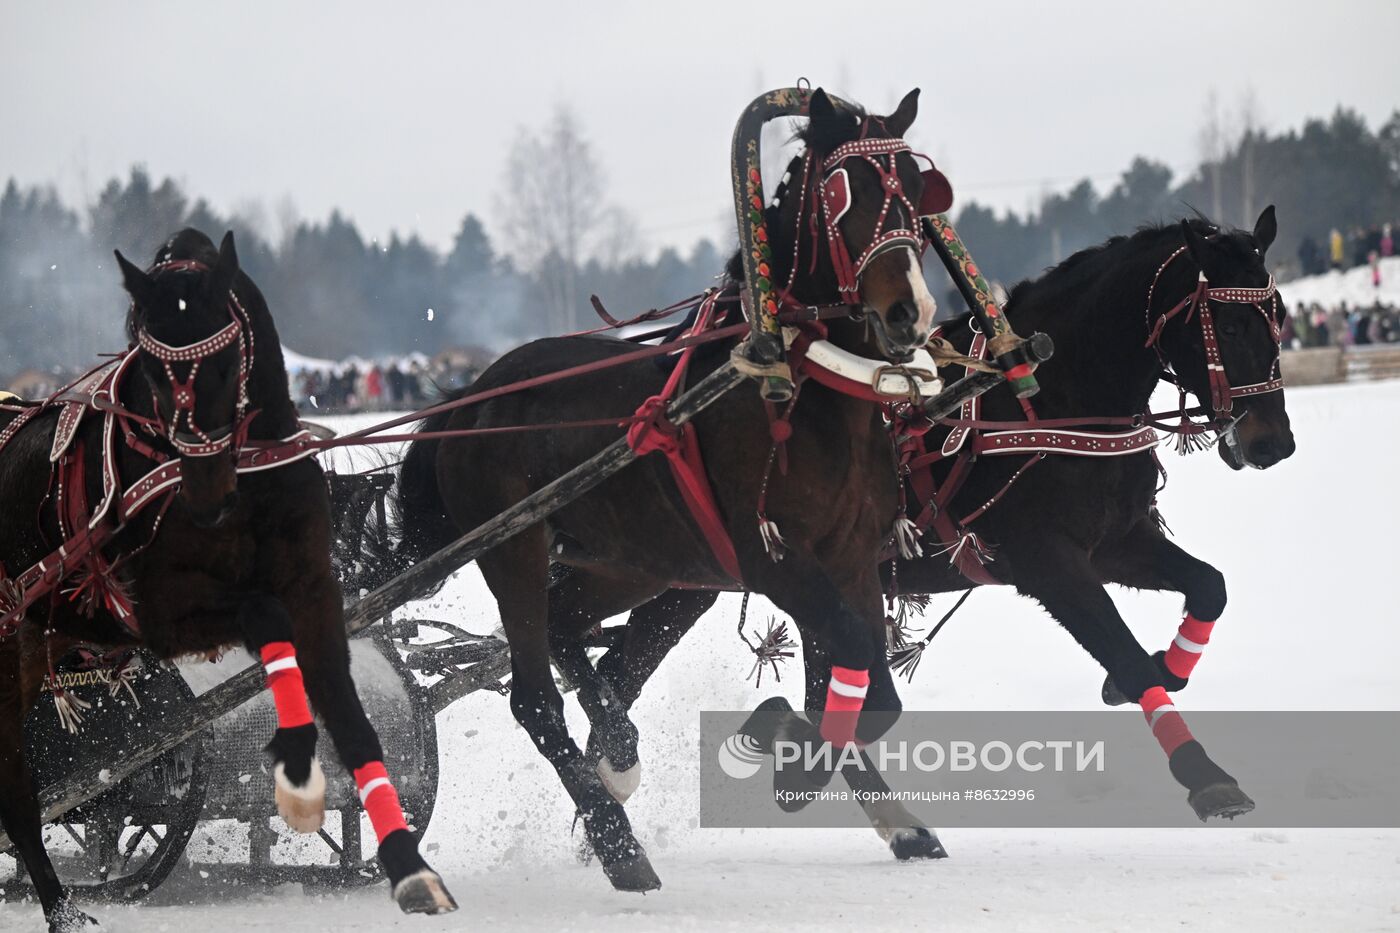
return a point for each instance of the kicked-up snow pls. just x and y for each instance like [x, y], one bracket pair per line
[1307, 548]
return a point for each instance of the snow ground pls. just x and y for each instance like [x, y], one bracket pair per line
[1306, 549]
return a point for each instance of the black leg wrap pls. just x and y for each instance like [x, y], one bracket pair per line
[1213, 792]
[775, 720]
[1112, 696]
[1193, 769]
[415, 887]
[762, 725]
[398, 853]
[293, 748]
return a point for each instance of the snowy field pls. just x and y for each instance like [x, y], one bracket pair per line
[1311, 624]
[1354, 286]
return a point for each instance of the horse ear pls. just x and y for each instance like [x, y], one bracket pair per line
[898, 123]
[820, 109]
[226, 269]
[1265, 229]
[1194, 244]
[136, 282]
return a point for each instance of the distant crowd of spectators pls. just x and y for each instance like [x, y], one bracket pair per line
[398, 384]
[1358, 247]
[1315, 326]
[394, 384]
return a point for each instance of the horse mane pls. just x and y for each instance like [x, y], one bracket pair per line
[1084, 264]
[823, 139]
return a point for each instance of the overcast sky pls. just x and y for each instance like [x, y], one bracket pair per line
[401, 113]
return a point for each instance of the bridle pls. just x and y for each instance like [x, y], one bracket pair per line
[1222, 392]
[833, 190]
[196, 441]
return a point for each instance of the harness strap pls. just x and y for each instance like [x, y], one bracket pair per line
[653, 432]
[84, 538]
[1037, 440]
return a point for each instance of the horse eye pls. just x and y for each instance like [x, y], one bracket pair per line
[1229, 329]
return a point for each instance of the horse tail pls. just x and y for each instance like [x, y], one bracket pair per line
[420, 514]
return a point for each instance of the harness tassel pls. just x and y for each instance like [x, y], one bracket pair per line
[70, 709]
[121, 680]
[774, 646]
[905, 660]
[1190, 441]
[906, 538]
[966, 539]
[96, 587]
[900, 625]
[772, 539]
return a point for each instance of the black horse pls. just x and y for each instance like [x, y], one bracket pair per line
[634, 538]
[1073, 524]
[231, 558]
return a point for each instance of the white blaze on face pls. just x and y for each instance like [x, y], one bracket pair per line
[923, 299]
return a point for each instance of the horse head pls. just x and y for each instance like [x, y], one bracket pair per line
[852, 202]
[1224, 341]
[194, 351]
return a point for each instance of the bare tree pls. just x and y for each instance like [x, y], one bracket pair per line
[551, 210]
[288, 219]
[1213, 146]
[1250, 124]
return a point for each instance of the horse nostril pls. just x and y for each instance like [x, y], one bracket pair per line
[901, 314]
[1264, 452]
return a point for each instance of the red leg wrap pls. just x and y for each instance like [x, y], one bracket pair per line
[845, 696]
[1185, 651]
[279, 660]
[380, 799]
[1166, 723]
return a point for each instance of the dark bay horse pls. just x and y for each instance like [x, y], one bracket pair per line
[1073, 524]
[633, 537]
[232, 557]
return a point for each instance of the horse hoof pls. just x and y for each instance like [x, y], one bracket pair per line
[67, 918]
[423, 893]
[1221, 801]
[633, 874]
[621, 784]
[302, 808]
[1111, 694]
[916, 843]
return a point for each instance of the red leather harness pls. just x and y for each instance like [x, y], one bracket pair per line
[656, 434]
[1222, 393]
[971, 437]
[85, 531]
